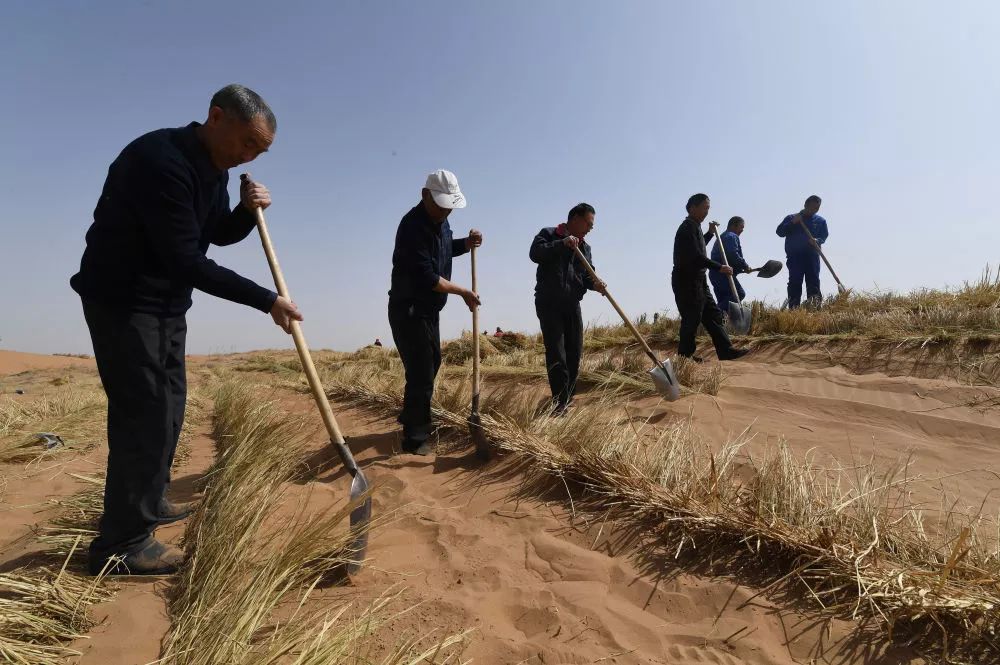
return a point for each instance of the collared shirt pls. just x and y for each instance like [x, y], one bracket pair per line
[163, 203]
[690, 259]
[734, 252]
[560, 277]
[796, 240]
[422, 256]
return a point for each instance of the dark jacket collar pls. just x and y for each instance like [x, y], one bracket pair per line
[197, 153]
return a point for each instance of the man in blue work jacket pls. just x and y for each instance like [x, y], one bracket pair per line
[734, 255]
[802, 253]
[421, 282]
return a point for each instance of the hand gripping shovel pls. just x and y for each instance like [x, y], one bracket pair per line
[739, 314]
[840, 286]
[362, 514]
[475, 424]
[662, 373]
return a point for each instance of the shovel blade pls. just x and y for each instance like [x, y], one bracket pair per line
[739, 318]
[666, 381]
[361, 516]
[770, 269]
[479, 437]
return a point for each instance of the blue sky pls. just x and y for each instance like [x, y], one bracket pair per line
[885, 109]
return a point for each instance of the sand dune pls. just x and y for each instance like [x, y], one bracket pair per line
[536, 583]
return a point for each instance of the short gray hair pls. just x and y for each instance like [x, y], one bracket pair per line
[244, 103]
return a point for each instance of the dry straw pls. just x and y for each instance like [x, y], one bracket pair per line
[248, 593]
[852, 538]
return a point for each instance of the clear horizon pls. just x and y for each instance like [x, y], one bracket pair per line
[886, 110]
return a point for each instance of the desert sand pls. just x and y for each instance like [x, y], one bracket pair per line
[532, 581]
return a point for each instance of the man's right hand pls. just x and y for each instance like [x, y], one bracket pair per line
[471, 300]
[284, 311]
[571, 242]
[726, 270]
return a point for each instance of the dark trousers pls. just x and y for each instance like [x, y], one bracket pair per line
[803, 265]
[140, 358]
[418, 340]
[696, 305]
[724, 294]
[562, 334]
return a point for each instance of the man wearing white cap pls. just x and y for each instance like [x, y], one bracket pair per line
[421, 282]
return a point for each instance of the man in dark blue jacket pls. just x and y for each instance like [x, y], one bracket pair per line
[421, 282]
[734, 255]
[164, 201]
[560, 282]
[802, 253]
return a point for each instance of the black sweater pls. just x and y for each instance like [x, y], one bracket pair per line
[163, 203]
[690, 259]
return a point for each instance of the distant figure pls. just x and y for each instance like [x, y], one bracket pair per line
[486, 333]
[421, 282]
[802, 255]
[560, 284]
[694, 302]
[734, 255]
[498, 333]
[378, 342]
[656, 317]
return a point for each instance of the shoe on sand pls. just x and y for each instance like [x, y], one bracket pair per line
[417, 448]
[155, 558]
[172, 511]
[734, 354]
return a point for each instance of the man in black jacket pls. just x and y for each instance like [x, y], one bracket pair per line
[694, 302]
[421, 282]
[560, 282]
[164, 201]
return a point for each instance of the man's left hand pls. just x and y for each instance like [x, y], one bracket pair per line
[475, 239]
[254, 195]
[601, 287]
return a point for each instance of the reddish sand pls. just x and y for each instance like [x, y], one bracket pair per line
[536, 584]
[12, 362]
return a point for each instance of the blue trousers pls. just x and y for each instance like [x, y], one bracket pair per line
[803, 266]
[723, 294]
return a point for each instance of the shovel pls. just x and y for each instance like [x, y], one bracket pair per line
[739, 314]
[475, 423]
[662, 373]
[362, 514]
[840, 286]
[769, 269]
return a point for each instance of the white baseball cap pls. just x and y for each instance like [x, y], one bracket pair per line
[443, 186]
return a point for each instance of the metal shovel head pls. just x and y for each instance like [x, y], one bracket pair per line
[666, 381]
[360, 517]
[770, 269]
[479, 437]
[739, 318]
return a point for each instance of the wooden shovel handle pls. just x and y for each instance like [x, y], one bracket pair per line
[821, 254]
[725, 262]
[475, 327]
[628, 322]
[319, 395]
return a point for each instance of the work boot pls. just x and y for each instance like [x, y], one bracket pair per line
[155, 558]
[733, 354]
[169, 511]
[422, 448]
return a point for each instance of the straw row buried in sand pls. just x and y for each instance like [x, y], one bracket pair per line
[42, 610]
[247, 562]
[850, 537]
